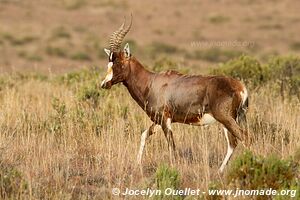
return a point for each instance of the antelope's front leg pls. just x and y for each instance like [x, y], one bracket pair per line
[144, 137]
[166, 126]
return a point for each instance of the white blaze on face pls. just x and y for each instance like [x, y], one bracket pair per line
[109, 74]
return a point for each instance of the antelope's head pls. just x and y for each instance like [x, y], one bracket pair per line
[118, 61]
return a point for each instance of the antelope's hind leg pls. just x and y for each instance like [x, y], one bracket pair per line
[144, 137]
[166, 126]
[231, 145]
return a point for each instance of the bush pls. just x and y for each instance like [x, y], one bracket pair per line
[255, 172]
[89, 92]
[282, 71]
[246, 68]
[167, 178]
[286, 70]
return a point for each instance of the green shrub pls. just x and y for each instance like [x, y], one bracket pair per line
[283, 67]
[286, 70]
[167, 177]
[246, 68]
[254, 172]
[282, 71]
[89, 92]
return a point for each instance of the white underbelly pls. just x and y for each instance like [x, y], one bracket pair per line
[206, 119]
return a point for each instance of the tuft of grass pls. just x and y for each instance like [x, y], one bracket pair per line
[166, 177]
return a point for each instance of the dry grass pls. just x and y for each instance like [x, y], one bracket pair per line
[69, 149]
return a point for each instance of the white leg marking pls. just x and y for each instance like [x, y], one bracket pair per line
[207, 119]
[229, 152]
[142, 146]
[169, 124]
[109, 74]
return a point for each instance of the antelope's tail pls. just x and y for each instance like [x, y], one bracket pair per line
[243, 108]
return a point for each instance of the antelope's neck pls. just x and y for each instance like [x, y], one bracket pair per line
[138, 83]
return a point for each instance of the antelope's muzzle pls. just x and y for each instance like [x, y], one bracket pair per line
[106, 85]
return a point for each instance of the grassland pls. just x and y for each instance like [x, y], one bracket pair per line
[62, 137]
[66, 139]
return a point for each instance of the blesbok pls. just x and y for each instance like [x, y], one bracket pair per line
[173, 97]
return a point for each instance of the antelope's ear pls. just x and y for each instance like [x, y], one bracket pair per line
[127, 50]
[107, 51]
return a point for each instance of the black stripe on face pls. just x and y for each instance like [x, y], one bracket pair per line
[112, 57]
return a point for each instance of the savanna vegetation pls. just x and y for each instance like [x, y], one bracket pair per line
[62, 137]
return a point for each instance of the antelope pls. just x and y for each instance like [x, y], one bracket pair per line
[170, 97]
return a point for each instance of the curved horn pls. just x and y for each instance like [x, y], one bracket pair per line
[118, 36]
